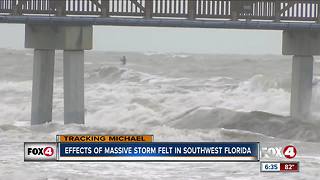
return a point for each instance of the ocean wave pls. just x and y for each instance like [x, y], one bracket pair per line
[258, 122]
[124, 97]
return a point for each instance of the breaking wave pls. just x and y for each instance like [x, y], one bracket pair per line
[120, 97]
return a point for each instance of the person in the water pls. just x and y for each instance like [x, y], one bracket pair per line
[123, 60]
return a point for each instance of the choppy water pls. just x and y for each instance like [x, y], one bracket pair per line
[176, 97]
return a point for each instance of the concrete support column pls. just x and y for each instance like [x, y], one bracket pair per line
[42, 87]
[303, 45]
[73, 80]
[45, 39]
[301, 86]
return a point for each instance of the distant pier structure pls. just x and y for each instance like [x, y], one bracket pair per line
[68, 25]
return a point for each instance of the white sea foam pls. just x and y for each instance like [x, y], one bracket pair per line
[182, 104]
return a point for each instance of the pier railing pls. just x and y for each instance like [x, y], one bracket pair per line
[277, 10]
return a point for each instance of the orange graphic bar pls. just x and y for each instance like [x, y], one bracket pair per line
[104, 138]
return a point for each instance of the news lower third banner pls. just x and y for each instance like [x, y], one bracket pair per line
[138, 148]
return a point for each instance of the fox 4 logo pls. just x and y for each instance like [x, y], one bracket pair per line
[47, 151]
[288, 152]
[40, 151]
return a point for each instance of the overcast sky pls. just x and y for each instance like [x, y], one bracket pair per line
[180, 40]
